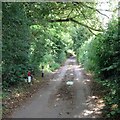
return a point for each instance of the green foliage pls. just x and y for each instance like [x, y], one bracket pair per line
[54, 66]
[62, 57]
[15, 43]
[27, 44]
[112, 98]
[90, 53]
[34, 35]
[101, 56]
[47, 46]
[79, 35]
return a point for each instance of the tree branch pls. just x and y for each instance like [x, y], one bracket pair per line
[92, 31]
[79, 10]
[88, 22]
[75, 21]
[70, 13]
[60, 20]
[86, 26]
[93, 9]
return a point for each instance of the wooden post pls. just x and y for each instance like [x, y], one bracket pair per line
[42, 71]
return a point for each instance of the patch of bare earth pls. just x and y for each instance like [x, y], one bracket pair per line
[66, 92]
[65, 95]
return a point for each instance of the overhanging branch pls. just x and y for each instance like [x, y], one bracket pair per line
[93, 9]
[75, 21]
[88, 22]
[86, 26]
[60, 20]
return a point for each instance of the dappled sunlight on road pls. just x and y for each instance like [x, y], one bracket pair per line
[91, 106]
[77, 79]
[86, 81]
[71, 74]
[68, 94]
[57, 79]
[94, 110]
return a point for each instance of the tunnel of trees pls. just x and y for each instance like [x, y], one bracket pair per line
[36, 34]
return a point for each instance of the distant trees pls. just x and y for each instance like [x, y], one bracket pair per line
[79, 34]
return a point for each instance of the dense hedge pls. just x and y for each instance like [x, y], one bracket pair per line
[16, 43]
[101, 56]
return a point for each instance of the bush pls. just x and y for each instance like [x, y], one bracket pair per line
[101, 56]
[61, 57]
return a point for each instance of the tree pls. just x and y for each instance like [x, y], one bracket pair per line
[76, 12]
[16, 42]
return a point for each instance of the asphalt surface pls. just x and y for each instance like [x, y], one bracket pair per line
[67, 95]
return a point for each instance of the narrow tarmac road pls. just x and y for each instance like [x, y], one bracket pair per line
[68, 95]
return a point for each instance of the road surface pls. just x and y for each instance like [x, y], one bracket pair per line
[67, 95]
